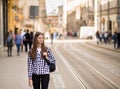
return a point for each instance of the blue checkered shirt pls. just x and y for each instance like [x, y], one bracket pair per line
[39, 66]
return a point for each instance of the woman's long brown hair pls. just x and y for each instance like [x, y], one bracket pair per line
[34, 48]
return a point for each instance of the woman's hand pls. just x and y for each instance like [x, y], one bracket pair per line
[45, 55]
[30, 82]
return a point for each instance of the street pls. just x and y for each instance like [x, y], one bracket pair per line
[80, 65]
[88, 66]
[84, 36]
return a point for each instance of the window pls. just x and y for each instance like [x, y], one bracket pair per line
[113, 3]
[104, 4]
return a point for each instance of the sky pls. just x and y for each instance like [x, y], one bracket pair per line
[52, 5]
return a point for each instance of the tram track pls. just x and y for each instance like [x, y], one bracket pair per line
[71, 69]
[97, 72]
[89, 68]
[91, 46]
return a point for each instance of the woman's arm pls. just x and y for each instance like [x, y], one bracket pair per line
[29, 67]
[51, 57]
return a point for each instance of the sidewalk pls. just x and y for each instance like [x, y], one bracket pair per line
[105, 46]
[91, 42]
[13, 72]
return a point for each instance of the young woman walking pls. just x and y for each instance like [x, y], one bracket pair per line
[38, 68]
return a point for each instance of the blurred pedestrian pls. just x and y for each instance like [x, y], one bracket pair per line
[26, 40]
[18, 42]
[9, 41]
[106, 37]
[51, 35]
[22, 35]
[114, 38]
[31, 40]
[118, 40]
[38, 68]
[98, 37]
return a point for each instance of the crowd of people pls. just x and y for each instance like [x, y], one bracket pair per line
[24, 39]
[109, 38]
[21, 39]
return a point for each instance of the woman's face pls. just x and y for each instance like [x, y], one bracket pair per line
[40, 39]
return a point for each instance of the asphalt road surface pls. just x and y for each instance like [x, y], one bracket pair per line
[85, 66]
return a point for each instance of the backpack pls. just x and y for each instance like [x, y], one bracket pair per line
[9, 39]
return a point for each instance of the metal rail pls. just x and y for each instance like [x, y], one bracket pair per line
[94, 70]
[72, 70]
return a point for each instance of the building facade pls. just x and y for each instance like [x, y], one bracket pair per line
[108, 15]
[53, 22]
[108, 11]
[4, 20]
[82, 14]
[19, 14]
[60, 19]
[15, 13]
[1, 25]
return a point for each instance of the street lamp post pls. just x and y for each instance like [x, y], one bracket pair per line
[95, 16]
[33, 23]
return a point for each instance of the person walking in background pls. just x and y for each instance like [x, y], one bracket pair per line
[26, 40]
[98, 37]
[106, 37]
[109, 36]
[31, 40]
[118, 40]
[51, 35]
[9, 41]
[38, 68]
[114, 37]
[22, 35]
[18, 42]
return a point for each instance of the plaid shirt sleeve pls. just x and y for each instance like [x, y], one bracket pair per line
[50, 56]
[29, 67]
